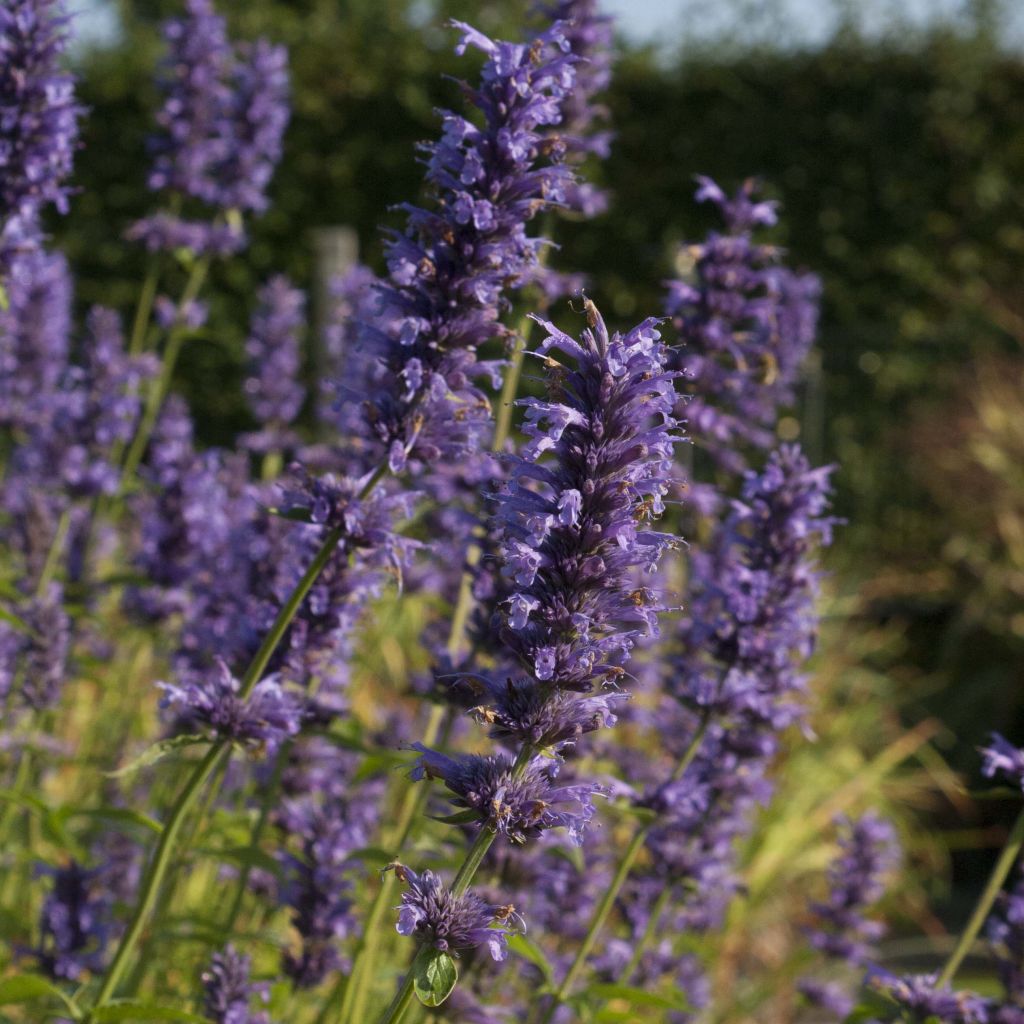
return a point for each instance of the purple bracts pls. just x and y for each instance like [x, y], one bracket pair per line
[1005, 933]
[919, 999]
[74, 923]
[436, 917]
[1002, 758]
[38, 121]
[228, 992]
[449, 270]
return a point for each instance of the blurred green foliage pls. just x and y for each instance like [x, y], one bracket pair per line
[898, 162]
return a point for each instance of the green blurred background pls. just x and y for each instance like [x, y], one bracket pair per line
[896, 147]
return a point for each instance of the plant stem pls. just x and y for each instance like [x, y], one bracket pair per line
[49, 569]
[162, 385]
[150, 887]
[1009, 855]
[604, 908]
[144, 309]
[653, 919]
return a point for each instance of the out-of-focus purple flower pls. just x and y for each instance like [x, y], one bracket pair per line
[1005, 933]
[1002, 758]
[520, 806]
[918, 996]
[35, 334]
[36, 658]
[228, 992]
[449, 270]
[265, 719]
[169, 314]
[869, 852]
[573, 514]
[436, 917]
[273, 388]
[166, 232]
[74, 923]
[745, 326]
[39, 119]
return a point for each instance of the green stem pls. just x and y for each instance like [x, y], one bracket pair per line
[509, 389]
[162, 385]
[150, 887]
[144, 309]
[604, 908]
[653, 919]
[1011, 851]
[357, 986]
[54, 553]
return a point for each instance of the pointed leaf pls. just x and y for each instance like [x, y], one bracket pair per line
[136, 1012]
[26, 988]
[155, 752]
[434, 976]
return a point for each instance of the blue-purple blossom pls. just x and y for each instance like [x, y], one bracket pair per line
[273, 388]
[574, 513]
[74, 923]
[436, 917]
[918, 998]
[212, 700]
[449, 270]
[1002, 758]
[1005, 933]
[34, 654]
[228, 992]
[39, 119]
[745, 325]
[520, 805]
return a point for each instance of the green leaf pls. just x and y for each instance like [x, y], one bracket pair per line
[372, 855]
[13, 620]
[247, 856]
[129, 1010]
[155, 752]
[434, 976]
[635, 996]
[121, 815]
[26, 988]
[460, 818]
[529, 950]
[296, 515]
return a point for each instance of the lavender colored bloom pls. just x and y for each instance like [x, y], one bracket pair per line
[520, 806]
[1002, 758]
[917, 996]
[437, 917]
[572, 514]
[162, 232]
[228, 992]
[267, 717]
[39, 119]
[35, 334]
[74, 923]
[273, 388]
[745, 326]
[35, 659]
[449, 270]
[1005, 933]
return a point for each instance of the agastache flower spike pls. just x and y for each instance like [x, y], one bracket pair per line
[453, 924]
[228, 992]
[39, 118]
[449, 270]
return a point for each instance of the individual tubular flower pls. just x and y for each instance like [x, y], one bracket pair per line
[449, 270]
[34, 659]
[39, 119]
[521, 805]
[228, 993]
[868, 854]
[74, 923]
[1002, 758]
[745, 325]
[273, 388]
[438, 918]
[573, 512]
[211, 700]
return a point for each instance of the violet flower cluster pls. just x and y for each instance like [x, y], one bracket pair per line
[223, 119]
[869, 853]
[745, 325]
[39, 119]
[229, 993]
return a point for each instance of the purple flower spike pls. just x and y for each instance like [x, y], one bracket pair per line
[573, 514]
[519, 807]
[75, 923]
[917, 996]
[436, 917]
[39, 118]
[273, 387]
[211, 700]
[1005, 933]
[228, 992]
